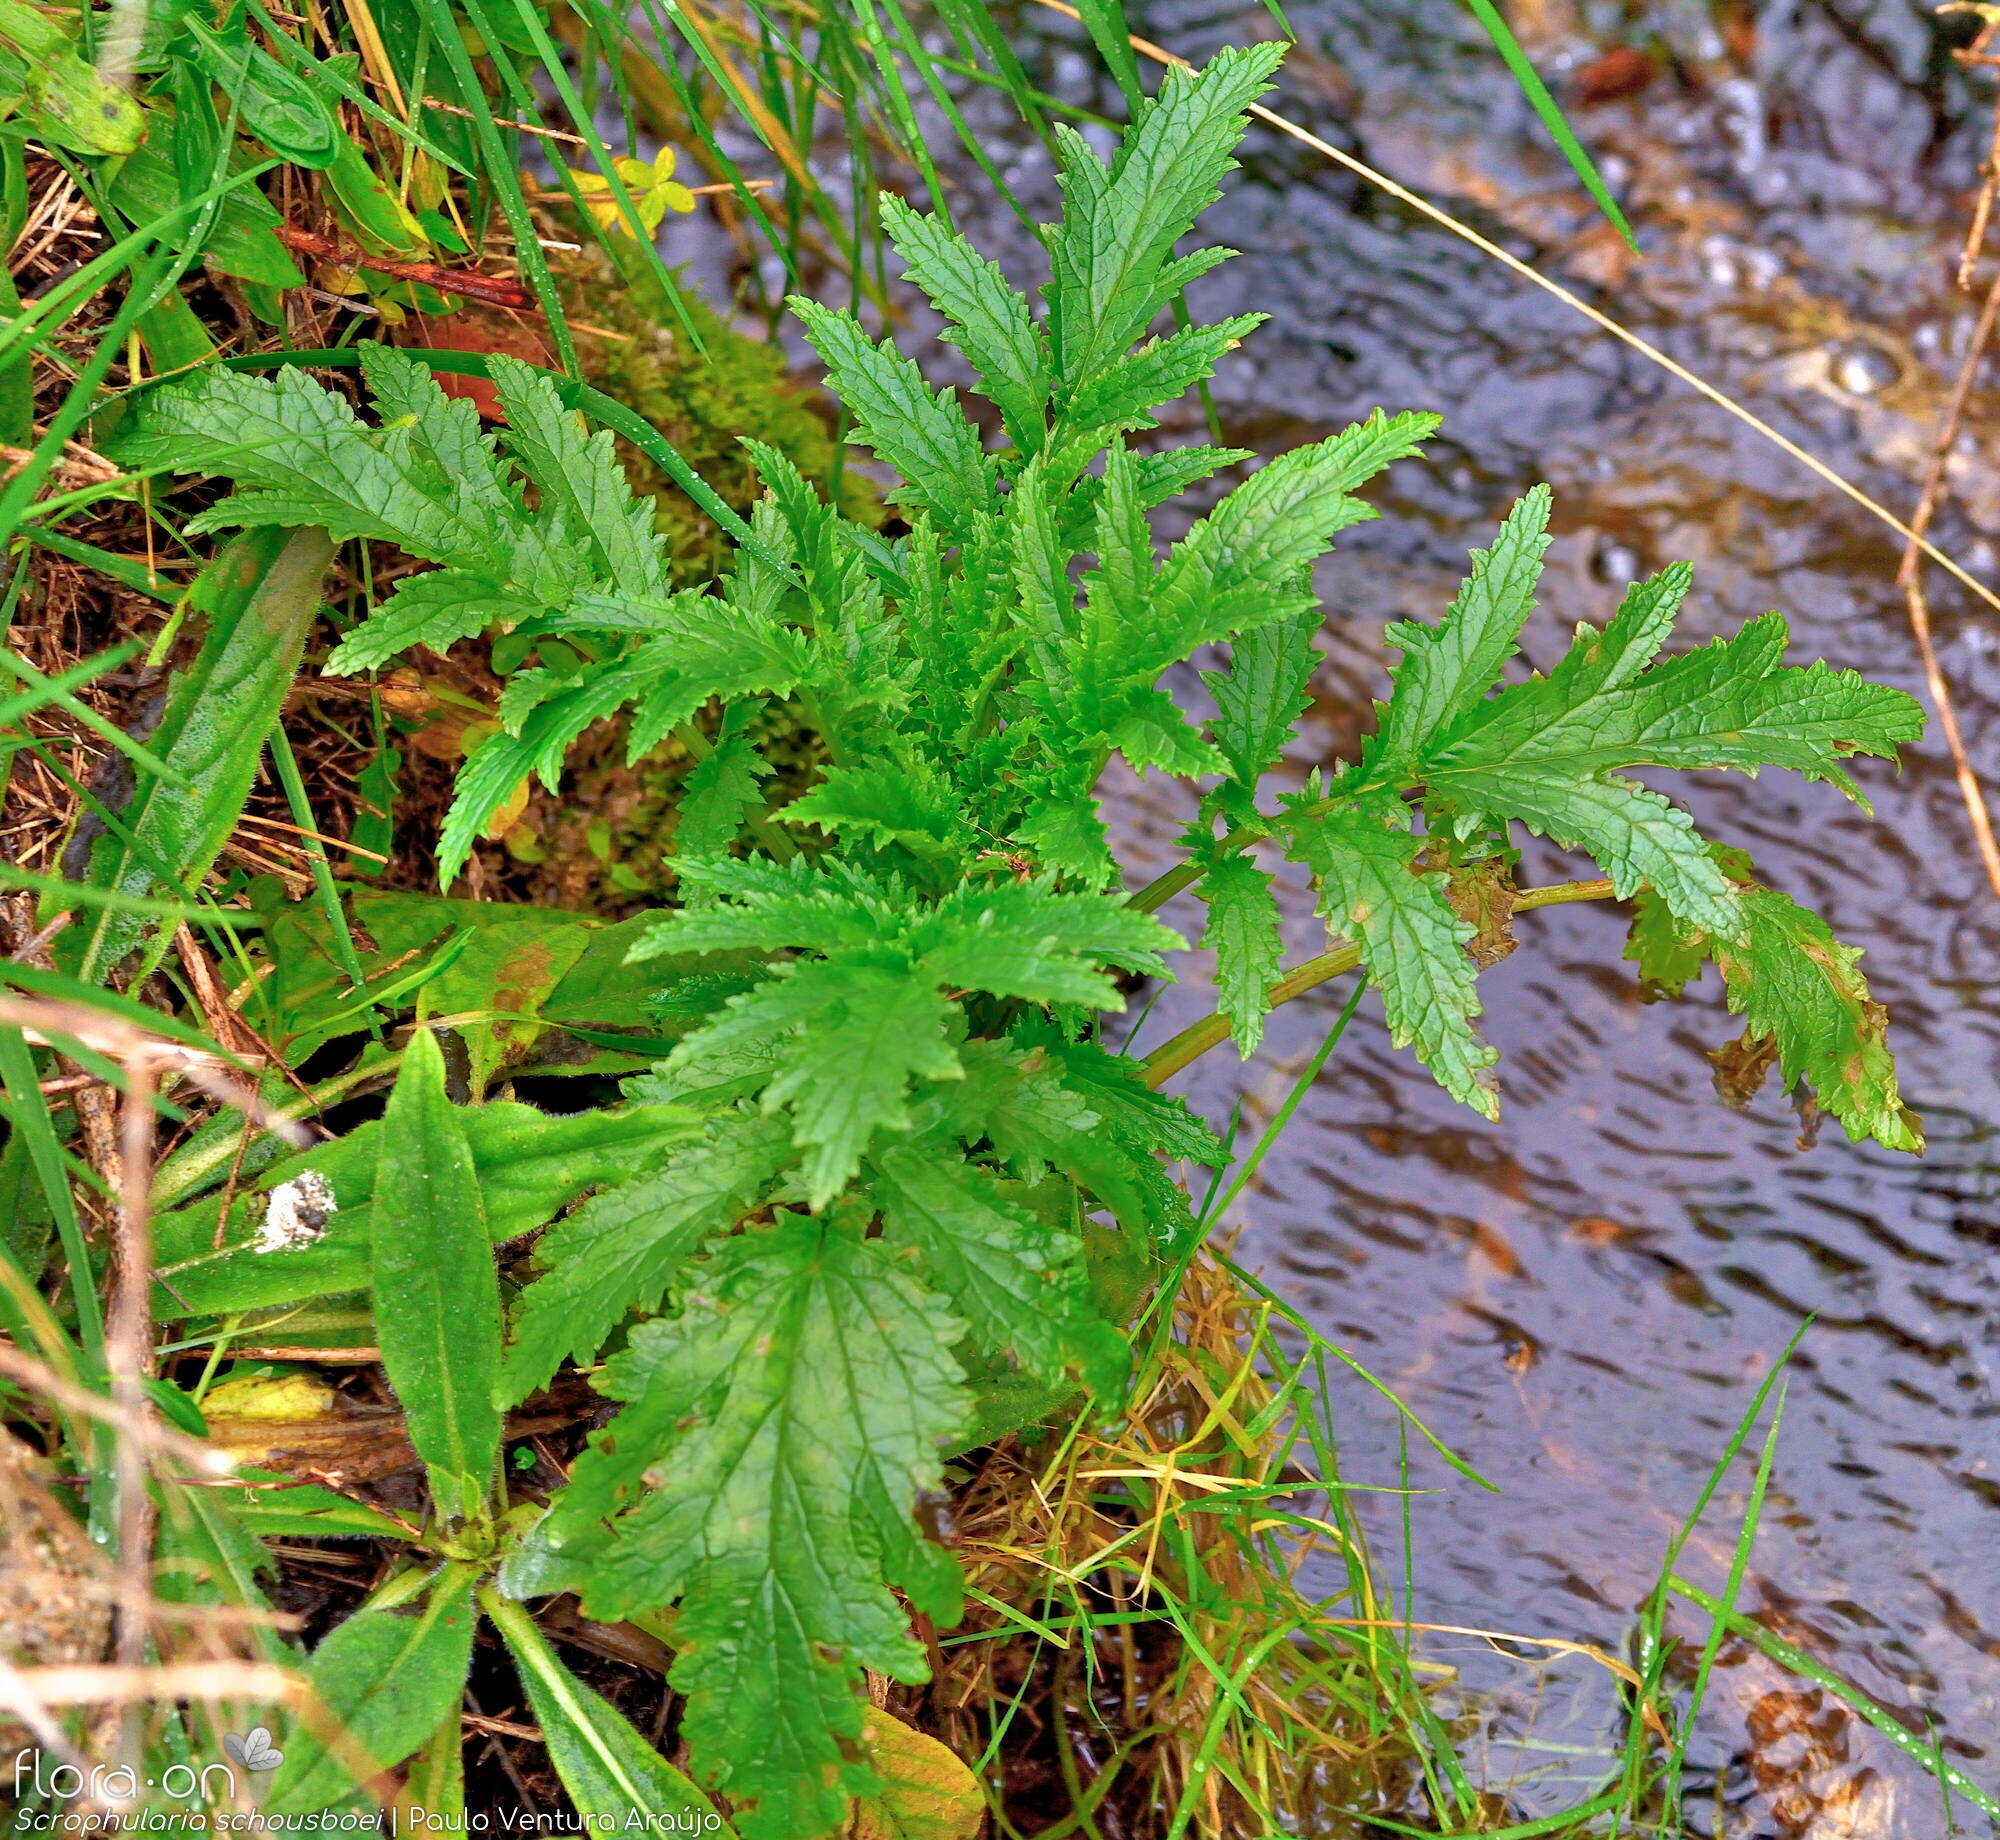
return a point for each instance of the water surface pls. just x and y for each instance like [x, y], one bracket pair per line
[1584, 1298]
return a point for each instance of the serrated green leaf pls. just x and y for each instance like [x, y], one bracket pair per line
[1632, 831]
[1604, 661]
[1110, 255]
[990, 322]
[449, 450]
[1152, 733]
[579, 476]
[1799, 989]
[1260, 698]
[723, 789]
[1794, 983]
[623, 1247]
[1728, 704]
[387, 1678]
[1249, 949]
[1013, 1279]
[485, 783]
[1037, 1122]
[1149, 1121]
[1411, 941]
[436, 609]
[1024, 939]
[791, 1413]
[771, 906]
[923, 435]
[1125, 392]
[1239, 567]
[436, 1294]
[846, 1077]
[883, 802]
[1449, 668]
[1669, 956]
[301, 457]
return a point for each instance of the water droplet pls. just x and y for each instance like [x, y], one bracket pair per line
[1861, 370]
[1615, 563]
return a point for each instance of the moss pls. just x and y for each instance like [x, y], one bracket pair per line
[705, 399]
[603, 841]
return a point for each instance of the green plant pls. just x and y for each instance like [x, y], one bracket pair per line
[881, 1123]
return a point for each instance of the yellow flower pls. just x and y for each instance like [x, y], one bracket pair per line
[652, 190]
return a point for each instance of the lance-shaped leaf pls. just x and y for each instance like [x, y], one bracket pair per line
[924, 436]
[1798, 989]
[1447, 669]
[302, 457]
[1793, 983]
[610, 1772]
[1239, 567]
[579, 476]
[1125, 392]
[260, 597]
[991, 323]
[1260, 698]
[384, 1680]
[1729, 704]
[790, 1415]
[1110, 256]
[1411, 940]
[436, 609]
[436, 1295]
[1249, 949]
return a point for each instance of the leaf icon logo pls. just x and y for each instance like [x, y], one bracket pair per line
[255, 1752]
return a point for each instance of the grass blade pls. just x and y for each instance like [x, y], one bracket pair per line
[1544, 105]
[1920, 1750]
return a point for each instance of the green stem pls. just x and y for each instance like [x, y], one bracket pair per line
[1160, 891]
[1191, 1043]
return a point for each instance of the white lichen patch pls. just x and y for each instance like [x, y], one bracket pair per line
[296, 1213]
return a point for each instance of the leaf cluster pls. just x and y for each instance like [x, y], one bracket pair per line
[878, 1006]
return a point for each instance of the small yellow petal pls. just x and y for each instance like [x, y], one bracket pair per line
[677, 198]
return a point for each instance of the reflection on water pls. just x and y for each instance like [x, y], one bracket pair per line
[1584, 1298]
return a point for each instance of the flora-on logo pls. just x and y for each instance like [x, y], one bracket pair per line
[255, 1752]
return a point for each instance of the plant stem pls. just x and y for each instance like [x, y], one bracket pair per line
[1162, 889]
[1191, 1043]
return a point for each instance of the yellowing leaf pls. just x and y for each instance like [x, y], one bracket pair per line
[924, 1792]
[510, 811]
[269, 1399]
